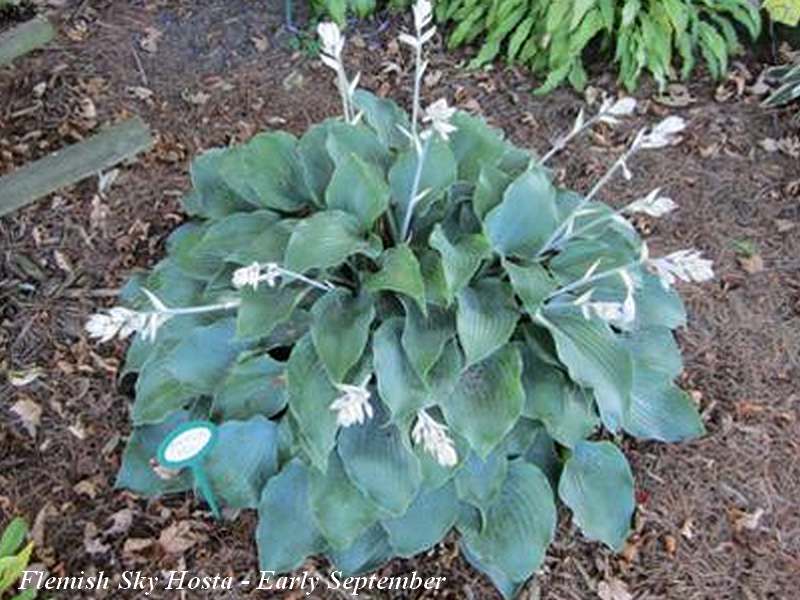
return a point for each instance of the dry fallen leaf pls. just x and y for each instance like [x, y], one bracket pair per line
[29, 413]
[744, 520]
[613, 589]
[136, 545]
[261, 43]
[179, 537]
[121, 522]
[687, 530]
[198, 98]
[751, 264]
[671, 544]
[87, 487]
[23, 377]
[91, 541]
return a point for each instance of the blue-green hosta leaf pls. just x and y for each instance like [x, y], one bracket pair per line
[460, 260]
[424, 337]
[193, 367]
[479, 481]
[519, 527]
[310, 396]
[521, 224]
[244, 456]
[379, 463]
[265, 308]
[400, 388]
[492, 184]
[660, 410]
[532, 283]
[656, 306]
[487, 400]
[358, 188]
[385, 117]
[316, 164]
[597, 485]
[655, 348]
[509, 589]
[324, 240]
[266, 247]
[486, 317]
[136, 473]
[367, 553]
[578, 256]
[595, 358]
[566, 409]
[212, 197]
[400, 272]
[265, 173]
[283, 545]
[345, 140]
[340, 330]
[432, 514]
[436, 292]
[341, 512]
[475, 144]
[201, 251]
[255, 385]
[438, 174]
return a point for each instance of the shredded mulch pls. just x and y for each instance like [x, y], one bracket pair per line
[717, 518]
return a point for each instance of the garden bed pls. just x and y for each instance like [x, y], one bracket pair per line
[717, 518]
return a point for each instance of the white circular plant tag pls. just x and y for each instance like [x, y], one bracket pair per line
[187, 444]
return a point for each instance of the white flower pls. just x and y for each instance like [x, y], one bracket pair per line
[434, 439]
[353, 405]
[272, 273]
[652, 204]
[438, 115]
[247, 276]
[332, 44]
[618, 313]
[116, 321]
[663, 134]
[423, 14]
[122, 322]
[686, 265]
[610, 109]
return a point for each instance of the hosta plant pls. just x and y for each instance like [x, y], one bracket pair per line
[402, 327]
[551, 36]
[788, 80]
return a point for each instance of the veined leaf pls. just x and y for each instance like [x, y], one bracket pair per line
[425, 523]
[487, 400]
[282, 545]
[480, 481]
[340, 330]
[400, 387]
[460, 260]
[595, 358]
[385, 117]
[366, 554]
[358, 188]
[310, 398]
[341, 513]
[532, 283]
[255, 385]
[597, 485]
[424, 337]
[324, 240]
[244, 457]
[379, 463]
[526, 218]
[400, 272]
[519, 526]
[486, 318]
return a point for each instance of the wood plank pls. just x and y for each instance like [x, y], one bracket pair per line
[24, 38]
[73, 163]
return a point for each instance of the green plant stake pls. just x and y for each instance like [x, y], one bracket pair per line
[187, 446]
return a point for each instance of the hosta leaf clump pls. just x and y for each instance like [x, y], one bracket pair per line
[401, 327]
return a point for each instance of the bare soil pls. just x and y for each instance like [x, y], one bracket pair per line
[717, 519]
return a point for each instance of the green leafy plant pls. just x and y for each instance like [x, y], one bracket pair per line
[788, 78]
[339, 9]
[14, 557]
[551, 37]
[786, 12]
[400, 326]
